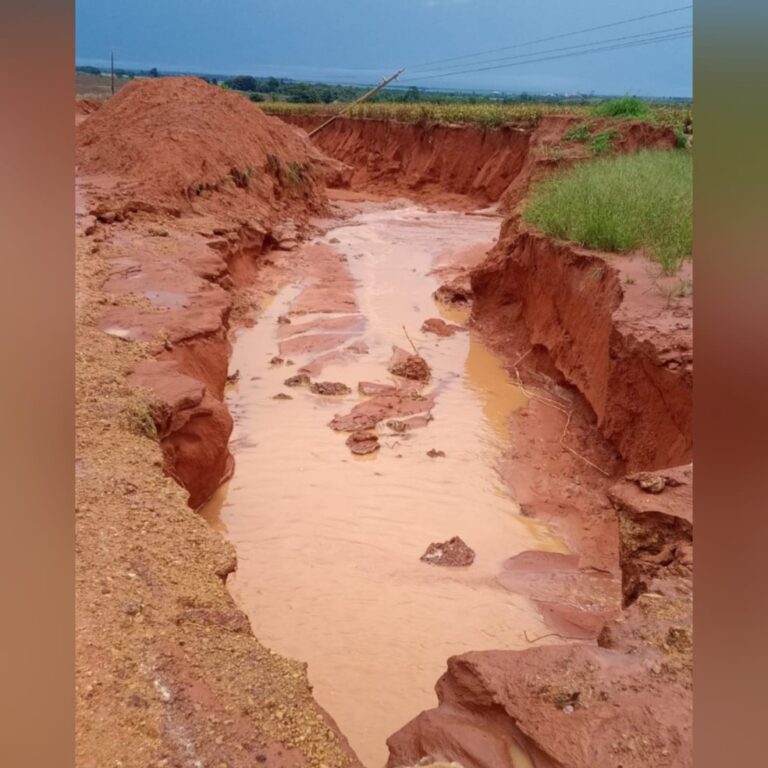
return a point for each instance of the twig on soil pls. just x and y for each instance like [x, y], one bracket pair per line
[554, 404]
[415, 351]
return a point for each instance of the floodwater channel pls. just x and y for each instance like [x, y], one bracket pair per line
[328, 543]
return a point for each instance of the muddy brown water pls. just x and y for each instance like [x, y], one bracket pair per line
[328, 544]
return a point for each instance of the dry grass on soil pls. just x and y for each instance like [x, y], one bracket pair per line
[489, 115]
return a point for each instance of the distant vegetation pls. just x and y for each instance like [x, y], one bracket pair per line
[411, 104]
[621, 203]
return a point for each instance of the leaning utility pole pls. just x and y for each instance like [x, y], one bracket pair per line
[113, 71]
[365, 96]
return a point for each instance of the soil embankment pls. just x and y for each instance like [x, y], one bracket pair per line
[178, 202]
[607, 329]
[465, 165]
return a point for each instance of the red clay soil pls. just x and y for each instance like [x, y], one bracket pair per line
[146, 154]
[574, 706]
[168, 671]
[625, 347]
[458, 165]
[465, 165]
[182, 143]
[85, 107]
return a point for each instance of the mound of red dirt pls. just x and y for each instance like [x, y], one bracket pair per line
[176, 140]
[85, 107]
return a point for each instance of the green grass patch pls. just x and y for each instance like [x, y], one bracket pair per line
[579, 133]
[628, 106]
[602, 142]
[621, 203]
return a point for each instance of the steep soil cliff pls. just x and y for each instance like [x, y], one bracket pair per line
[623, 345]
[466, 165]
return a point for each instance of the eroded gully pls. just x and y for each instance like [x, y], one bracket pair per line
[328, 543]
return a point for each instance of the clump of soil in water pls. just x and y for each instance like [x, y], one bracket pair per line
[361, 443]
[300, 379]
[329, 388]
[439, 327]
[454, 553]
[412, 367]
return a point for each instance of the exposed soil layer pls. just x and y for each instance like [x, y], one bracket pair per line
[454, 164]
[626, 347]
[465, 165]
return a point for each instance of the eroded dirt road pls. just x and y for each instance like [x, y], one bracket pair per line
[328, 543]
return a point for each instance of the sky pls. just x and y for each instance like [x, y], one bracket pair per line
[361, 41]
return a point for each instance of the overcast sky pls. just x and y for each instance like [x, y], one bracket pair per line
[362, 40]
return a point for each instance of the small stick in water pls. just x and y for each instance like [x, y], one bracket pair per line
[415, 351]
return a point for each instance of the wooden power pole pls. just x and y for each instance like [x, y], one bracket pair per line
[112, 57]
[365, 96]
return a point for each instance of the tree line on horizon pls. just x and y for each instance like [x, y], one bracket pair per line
[261, 89]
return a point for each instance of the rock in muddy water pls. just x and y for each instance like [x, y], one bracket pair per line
[281, 396]
[454, 553]
[283, 320]
[650, 483]
[361, 443]
[299, 380]
[398, 426]
[439, 327]
[434, 454]
[413, 367]
[276, 360]
[329, 388]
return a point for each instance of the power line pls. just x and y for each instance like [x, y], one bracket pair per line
[552, 37]
[676, 36]
[571, 47]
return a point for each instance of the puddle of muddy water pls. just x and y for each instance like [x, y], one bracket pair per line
[328, 544]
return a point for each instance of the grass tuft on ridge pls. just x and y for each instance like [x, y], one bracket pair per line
[621, 203]
[628, 106]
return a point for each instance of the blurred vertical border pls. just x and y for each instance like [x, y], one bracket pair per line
[37, 354]
[731, 385]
